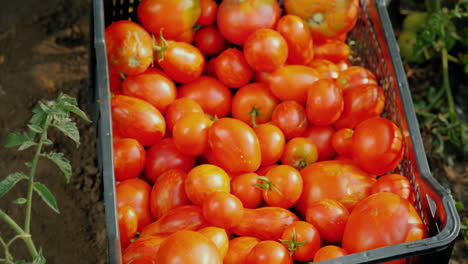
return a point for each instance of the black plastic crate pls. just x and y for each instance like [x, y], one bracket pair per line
[378, 51]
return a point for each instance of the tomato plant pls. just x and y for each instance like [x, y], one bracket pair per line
[129, 158]
[265, 50]
[204, 179]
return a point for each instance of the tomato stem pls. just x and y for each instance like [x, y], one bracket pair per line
[254, 113]
[266, 185]
[160, 47]
[293, 244]
[22, 234]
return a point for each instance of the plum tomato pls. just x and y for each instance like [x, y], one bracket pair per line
[179, 108]
[291, 82]
[222, 209]
[271, 140]
[299, 152]
[322, 138]
[209, 8]
[265, 50]
[190, 134]
[324, 102]
[302, 240]
[394, 183]
[128, 223]
[210, 41]
[329, 217]
[282, 186]
[243, 187]
[129, 158]
[143, 250]
[325, 68]
[204, 179]
[232, 69]
[239, 248]
[342, 141]
[297, 35]
[291, 118]
[329, 252]
[135, 193]
[268, 251]
[355, 76]
[218, 236]
[332, 50]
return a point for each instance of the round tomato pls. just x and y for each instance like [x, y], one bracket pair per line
[269, 251]
[135, 193]
[302, 240]
[297, 35]
[232, 69]
[332, 50]
[299, 152]
[143, 250]
[291, 118]
[282, 186]
[218, 236]
[272, 141]
[329, 217]
[243, 187]
[322, 138]
[329, 252]
[210, 41]
[342, 141]
[204, 179]
[324, 102]
[209, 8]
[128, 223]
[129, 158]
[355, 76]
[179, 108]
[291, 82]
[190, 134]
[394, 183]
[239, 248]
[325, 68]
[265, 50]
[222, 209]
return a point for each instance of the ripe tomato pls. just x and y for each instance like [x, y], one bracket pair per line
[299, 152]
[325, 68]
[269, 251]
[238, 19]
[291, 82]
[265, 50]
[222, 209]
[264, 170]
[355, 76]
[325, 18]
[151, 87]
[343, 65]
[234, 145]
[128, 223]
[297, 35]
[329, 252]
[218, 236]
[239, 248]
[135, 193]
[172, 18]
[179, 108]
[188, 247]
[291, 118]
[210, 67]
[329, 217]
[165, 156]
[232, 69]
[209, 40]
[302, 240]
[253, 104]
[209, 8]
[342, 141]
[334, 179]
[377, 145]
[137, 119]
[168, 192]
[322, 138]
[187, 36]
[213, 96]
[129, 47]
[282, 186]
[243, 187]
[115, 80]
[129, 158]
[190, 134]
[324, 102]
[261, 77]
[394, 183]
[204, 179]
[143, 250]
[332, 50]
[272, 141]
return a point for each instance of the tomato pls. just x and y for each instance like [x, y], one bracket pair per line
[129, 47]
[128, 223]
[324, 102]
[115, 80]
[265, 50]
[354, 77]
[270, 252]
[291, 118]
[322, 138]
[325, 68]
[343, 65]
[329, 252]
[261, 77]
[153, 88]
[210, 41]
[361, 103]
[187, 36]
[332, 50]
[325, 18]
[165, 156]
[342, 141]
[253, 104]
[334, 179]
[234, 145]
[377, 145]
[394, 183]
[129, 158]
[380, 220]
[137, 119]
[243, 187]
[222, 209]
[168, 192]
[204, 179]
[291, 82]
[143, 250]
[232, 69]
[302, 240]
[282, 186]
[171, 18]
[297, 35]
[262, 171]
[191, 134]
[239, 248]
[272, 141]
[210, 67]
[179, 108]
[218, 236]
[238, 19]
[188, 247]
[299, 152]
[209, 8]
[329, 217]
[213, 96]
[135, 193]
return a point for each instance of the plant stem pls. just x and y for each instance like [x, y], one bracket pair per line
[27, 239]
[446, 81]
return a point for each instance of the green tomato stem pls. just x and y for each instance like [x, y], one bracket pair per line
[27, 239]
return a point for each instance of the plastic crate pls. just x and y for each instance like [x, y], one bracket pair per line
[377, 49]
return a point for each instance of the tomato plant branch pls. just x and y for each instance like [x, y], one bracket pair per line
[24, 235]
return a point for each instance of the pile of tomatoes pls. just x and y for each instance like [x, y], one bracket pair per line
[242, 134]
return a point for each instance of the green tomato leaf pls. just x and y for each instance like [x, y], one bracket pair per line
[28, 164]
[17, 139]
[74, 109]
[20, 200]
[40, 259]
[62, 163]
[68, 128]
[39, 117]
[26, 145]
[46, 196]
[10, 181]
[47, 142]
[35, 128]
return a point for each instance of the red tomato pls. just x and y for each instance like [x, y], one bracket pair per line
[187, 36]
[302, 240]
[261, 77]
[143, 251]
[253, 104]
[128, 223]
[377, 145]
[291, 82]
[203, 180]
[343, 65]
[218, 236]
[270, 252]
[243, 187]
[222, 209]
[153, 88]
[332, 50]
[291, 118]
[168, 192]
[135, 193]
[342, 141]
[299, 152]
[129, 47]
[115, 80]
[172, 18]
[238, 19]
[232, 69]
[265, 50]
[137, 119]
[210, 67]
[354, 77]
[129, 158]
[325, 18]
[324, 102]
[329, 217]
[329, 252]
[234, 145]
[325, 68]
[322, 138]
[297, 35]
[213, 96]
[191, 134]
[188, 247]
[209, 8]
[179, 108]
[272, 141]
[264, 170]
[334, 179]
[282, 186]
[239, 248]
[165, 156]
[394, 183]
[210, 41]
